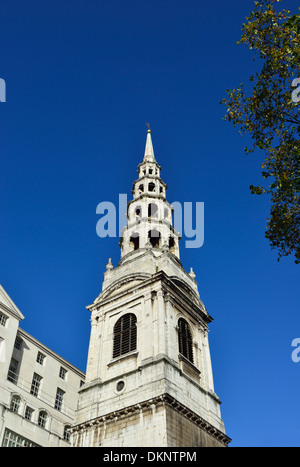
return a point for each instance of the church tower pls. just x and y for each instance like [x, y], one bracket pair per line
[149, 378]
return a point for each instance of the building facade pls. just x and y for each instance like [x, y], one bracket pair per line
[149, 378]
[38, 388]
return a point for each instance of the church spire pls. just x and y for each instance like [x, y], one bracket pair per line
[149, 214]
[149, 152]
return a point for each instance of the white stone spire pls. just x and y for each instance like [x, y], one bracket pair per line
[149, 214]
[149, 152]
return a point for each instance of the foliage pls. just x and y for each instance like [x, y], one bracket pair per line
[272, 117]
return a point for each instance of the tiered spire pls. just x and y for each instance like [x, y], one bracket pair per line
[149, 215]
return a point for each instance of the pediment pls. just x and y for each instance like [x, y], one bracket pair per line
[8, 304]
[122, 285]
[187, 290]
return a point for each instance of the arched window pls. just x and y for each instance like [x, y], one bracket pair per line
[67, 434]
[42, 420]
[185, 340]
[15, 403]
[134, 241]
[152, 210]
[151, 186]
[124, 335]
[172, 245]
[154, 238]
[138, 212]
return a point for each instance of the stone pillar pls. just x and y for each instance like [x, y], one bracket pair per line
[161, 323]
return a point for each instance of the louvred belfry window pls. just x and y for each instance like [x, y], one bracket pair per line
[185, 340]
[125, 334]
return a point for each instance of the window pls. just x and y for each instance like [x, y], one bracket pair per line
[15, 404]
[120, 385]
[12, 374]
[63, 373]
[67, 433]
[138, 212]
[151, 187]
[185, 340]
[35, 385]
[134, 241]
[154, 238]
[152, 210]
[125, 334]
[28, 413]
[12, 440]
[40, 358]
[18, 343]
[3, 319]
[2, 350]
[42, 420]
[172, 245]
[59, 399]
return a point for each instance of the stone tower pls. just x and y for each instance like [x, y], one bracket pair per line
[149, 379]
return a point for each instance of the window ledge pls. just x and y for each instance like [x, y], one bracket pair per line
[134, 353]
[188, 368]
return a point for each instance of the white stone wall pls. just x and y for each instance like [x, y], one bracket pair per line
[142, 427]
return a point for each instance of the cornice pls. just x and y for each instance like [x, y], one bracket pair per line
[176, 294]
[165, 400]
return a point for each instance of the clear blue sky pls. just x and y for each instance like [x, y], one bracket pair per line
[83, 78]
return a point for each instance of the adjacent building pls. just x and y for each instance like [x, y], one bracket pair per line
[38, 388]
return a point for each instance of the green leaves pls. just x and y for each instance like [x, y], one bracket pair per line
[256, 190]
[269, 115]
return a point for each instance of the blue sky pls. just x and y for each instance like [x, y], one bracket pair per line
[83, 78]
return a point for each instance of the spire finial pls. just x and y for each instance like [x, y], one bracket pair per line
[148, 125]
[109, 265]
[192, 274]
